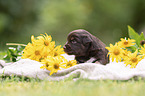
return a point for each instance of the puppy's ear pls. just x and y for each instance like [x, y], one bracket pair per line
[96, 45]
[89, 45]
[86, 40]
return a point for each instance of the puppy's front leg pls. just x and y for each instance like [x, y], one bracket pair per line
[97, 62]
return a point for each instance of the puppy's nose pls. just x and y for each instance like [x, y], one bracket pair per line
[66, 46]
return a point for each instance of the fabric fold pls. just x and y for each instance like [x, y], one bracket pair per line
[111, 71]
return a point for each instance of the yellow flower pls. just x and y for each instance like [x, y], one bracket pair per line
[132, 59]
[32, 53]
[115, 52]
[57, 51]
[55, 64]
[45, 44]
[29, 45]
[125, 53]
[32, 39]
[46, 62]
[25, 53]
[70, 63]
[126, 43]
[142, 51]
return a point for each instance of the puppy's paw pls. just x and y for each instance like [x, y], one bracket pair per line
[97, 62]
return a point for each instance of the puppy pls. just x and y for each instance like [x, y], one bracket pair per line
[84, 46]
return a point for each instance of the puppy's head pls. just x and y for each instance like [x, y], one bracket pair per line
[78, 43]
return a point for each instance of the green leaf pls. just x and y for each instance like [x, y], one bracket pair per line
[20, 48]
[141, 37]
[134, 35]
[132, 48]
[13, 53]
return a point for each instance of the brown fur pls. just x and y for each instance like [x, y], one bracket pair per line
[84, 45]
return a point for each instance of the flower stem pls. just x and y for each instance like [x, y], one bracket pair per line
[15, 44]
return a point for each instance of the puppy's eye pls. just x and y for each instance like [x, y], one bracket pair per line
[73, 41]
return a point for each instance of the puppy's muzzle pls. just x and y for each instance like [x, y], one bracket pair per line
[67, 47]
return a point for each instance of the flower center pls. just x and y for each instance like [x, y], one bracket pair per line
[56, 66]
[55, 54]
[46, 43]
[125, 43]
[142, 42]
[134, 59]
[69, 64]
[116, 52]
[47, 64]
[37, 53]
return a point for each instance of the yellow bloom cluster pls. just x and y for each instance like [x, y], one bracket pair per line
[44, 50]
[120, 52]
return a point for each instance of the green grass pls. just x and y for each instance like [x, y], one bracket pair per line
[71, 88]
[2, 54]
[14, 86]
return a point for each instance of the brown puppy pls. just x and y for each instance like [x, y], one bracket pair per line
[84, 46]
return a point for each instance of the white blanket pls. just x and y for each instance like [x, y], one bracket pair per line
[92, 71]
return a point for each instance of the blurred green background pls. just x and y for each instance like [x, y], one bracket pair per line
[106, 19]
